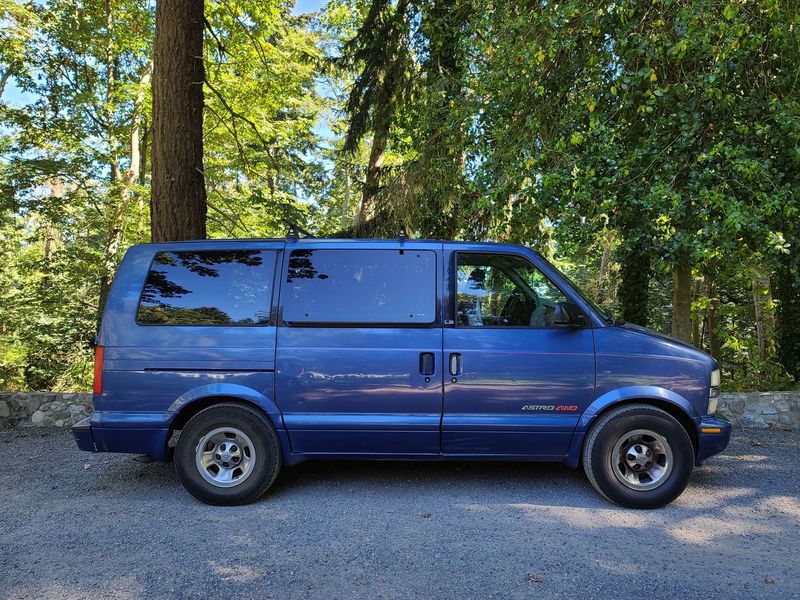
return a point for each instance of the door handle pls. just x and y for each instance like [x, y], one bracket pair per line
[427, 363]
[455, 363]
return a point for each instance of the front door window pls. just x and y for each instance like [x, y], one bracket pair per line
[503, 290]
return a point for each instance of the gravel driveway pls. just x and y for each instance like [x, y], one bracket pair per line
[75, 525]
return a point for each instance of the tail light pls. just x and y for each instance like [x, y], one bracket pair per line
[97, 389]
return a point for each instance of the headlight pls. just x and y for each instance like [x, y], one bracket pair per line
[713, 392]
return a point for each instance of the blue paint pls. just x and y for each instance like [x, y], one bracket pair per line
[361, 390]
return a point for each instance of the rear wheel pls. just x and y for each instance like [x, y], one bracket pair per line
[638, 456]
[228, 454]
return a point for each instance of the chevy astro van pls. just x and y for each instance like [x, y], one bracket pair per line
[236, 358]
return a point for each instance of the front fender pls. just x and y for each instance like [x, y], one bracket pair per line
[634, 392]
[227, 390]
[625, 394]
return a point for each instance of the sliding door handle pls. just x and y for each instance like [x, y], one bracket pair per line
[427, 363]
[455, 364]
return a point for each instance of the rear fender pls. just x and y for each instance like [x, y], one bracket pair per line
[230, 391]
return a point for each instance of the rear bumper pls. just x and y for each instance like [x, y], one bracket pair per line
[82, 430]
[94, 434]
[713, 435]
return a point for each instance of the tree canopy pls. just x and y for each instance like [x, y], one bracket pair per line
[649, 148]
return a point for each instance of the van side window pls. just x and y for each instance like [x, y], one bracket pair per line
[503, 290]
[209, 287]
[378, 287]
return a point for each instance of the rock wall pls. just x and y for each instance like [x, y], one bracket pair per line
[746, 409]
[761, 410]
[42, 409]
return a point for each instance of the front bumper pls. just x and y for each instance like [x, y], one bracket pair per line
[82, 430]
[713, 435]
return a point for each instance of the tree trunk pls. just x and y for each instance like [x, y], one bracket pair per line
[714, 347]
[346, 199]
[49, 248]
[697, 322]
[604, 291]
[144, 144]
[4, 77]
[634, 287]
[372, 181]
[122, 189]
[108, 106]
[762, 303]
[788, 295]
[178, 196]
[682, 297]
[508, 215]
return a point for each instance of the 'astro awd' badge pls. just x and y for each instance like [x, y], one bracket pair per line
[550, 408]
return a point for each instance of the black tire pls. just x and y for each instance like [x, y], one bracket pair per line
[267, 452]
[599, 451]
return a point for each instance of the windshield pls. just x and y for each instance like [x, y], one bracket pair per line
[606, 314]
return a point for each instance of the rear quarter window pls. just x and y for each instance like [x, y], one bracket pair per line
[209, 287]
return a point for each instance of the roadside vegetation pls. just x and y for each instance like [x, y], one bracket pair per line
[651, 149]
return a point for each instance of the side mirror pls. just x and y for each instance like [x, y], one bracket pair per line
[567, 313]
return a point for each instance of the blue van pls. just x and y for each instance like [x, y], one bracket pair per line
[235, 358]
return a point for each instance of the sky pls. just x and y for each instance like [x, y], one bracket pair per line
[305, 6]
[14, 95]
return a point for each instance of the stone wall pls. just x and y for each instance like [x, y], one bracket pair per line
[748, 409]
[762, 410]
[41, 409]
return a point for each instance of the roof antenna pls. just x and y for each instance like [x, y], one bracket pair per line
[403, 235]
[295, 231]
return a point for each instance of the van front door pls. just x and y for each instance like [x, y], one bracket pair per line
[516, 384]
[359, 358]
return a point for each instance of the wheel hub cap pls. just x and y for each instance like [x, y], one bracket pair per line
[639, 457]
[642, 459]
[225, 457]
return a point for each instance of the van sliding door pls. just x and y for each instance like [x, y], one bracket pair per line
[359, 355]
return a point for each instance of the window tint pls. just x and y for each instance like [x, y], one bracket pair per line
[231, 287]
[501, 290]
[361, 286]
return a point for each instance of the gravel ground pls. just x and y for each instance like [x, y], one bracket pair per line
[76, 525]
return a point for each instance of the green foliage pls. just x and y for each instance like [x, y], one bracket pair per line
[47, 312]
[380, 54]
[673, 125]
[61, 150]
[623, 139]
[262, 104]
[68, 211]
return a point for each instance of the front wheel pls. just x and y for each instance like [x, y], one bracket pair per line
[638, 456]
[228, 454]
